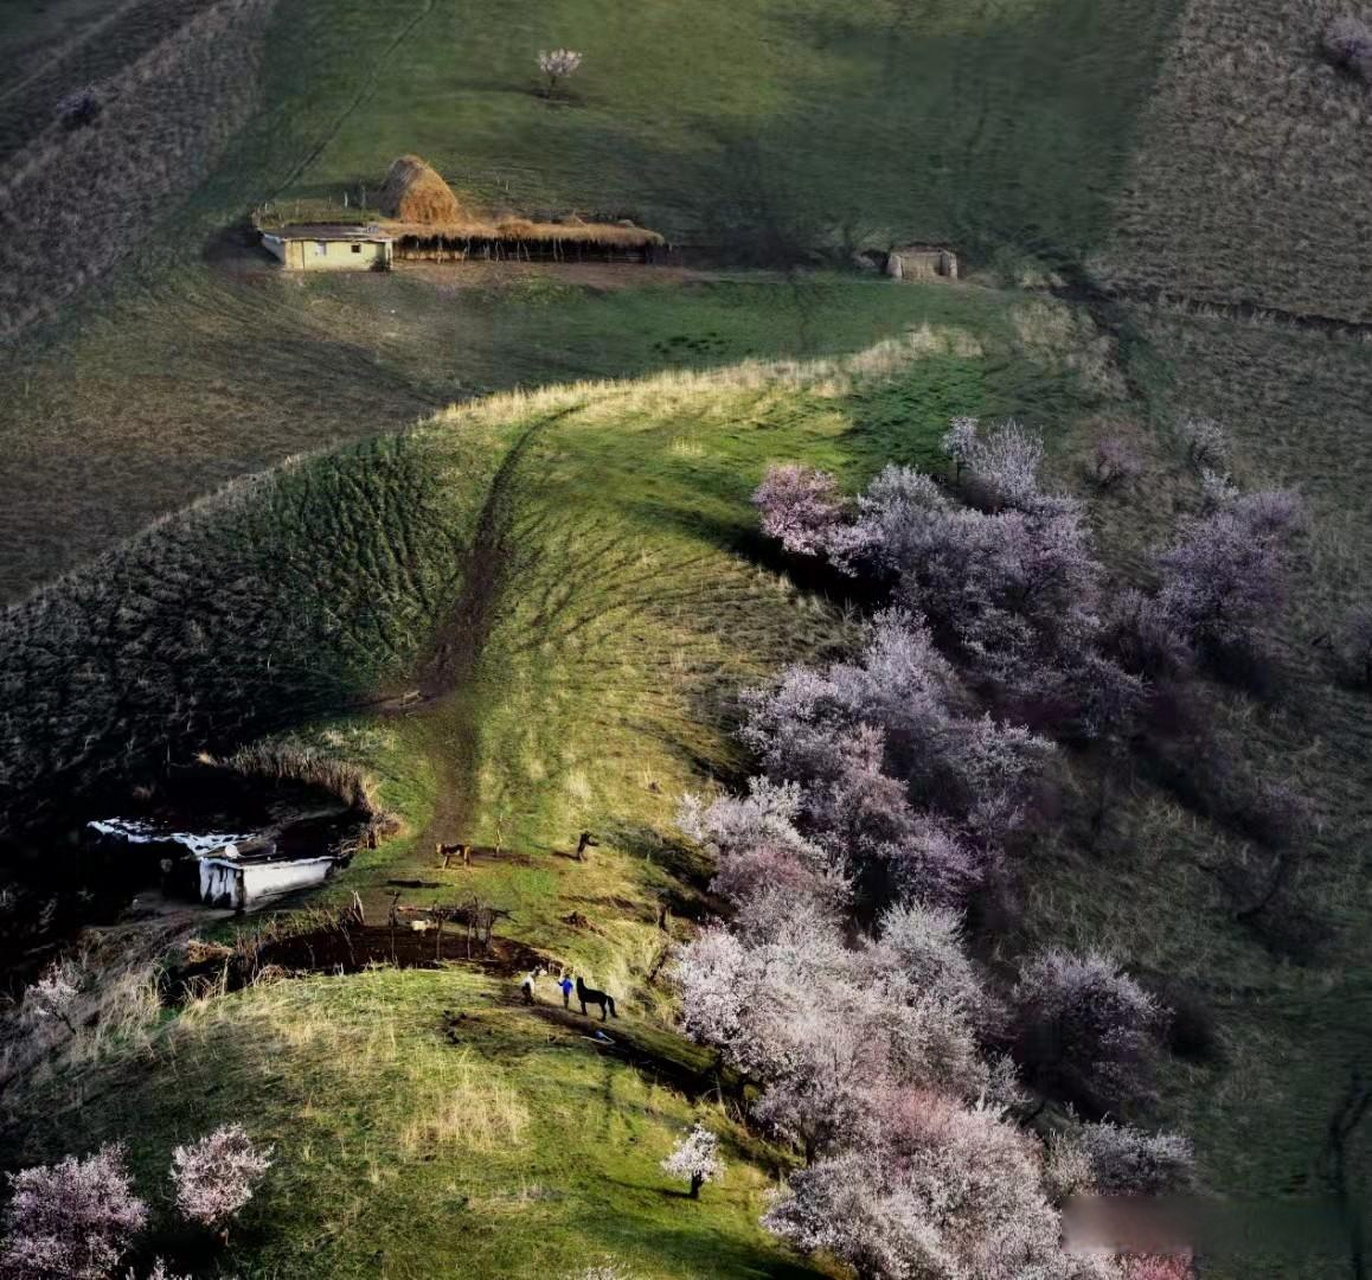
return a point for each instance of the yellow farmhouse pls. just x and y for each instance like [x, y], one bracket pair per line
[330, 248]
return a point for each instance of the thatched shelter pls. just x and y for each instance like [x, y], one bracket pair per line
[520, 239]
[415, 192]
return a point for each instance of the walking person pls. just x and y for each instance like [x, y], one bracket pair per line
[527, 986]
[565, 982]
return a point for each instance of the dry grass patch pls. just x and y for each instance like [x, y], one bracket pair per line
[1252, 181]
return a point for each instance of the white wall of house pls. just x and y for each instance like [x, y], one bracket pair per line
[242, 885]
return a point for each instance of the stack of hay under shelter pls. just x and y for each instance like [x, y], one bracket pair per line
[427, 221]
[415, 192]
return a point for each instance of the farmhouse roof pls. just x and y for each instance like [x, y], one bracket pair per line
[329, 231]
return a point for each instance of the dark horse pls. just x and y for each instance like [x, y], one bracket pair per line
[589, 995]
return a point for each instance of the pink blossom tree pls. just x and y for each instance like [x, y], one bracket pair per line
[1115, 463]
[801, 507]
[74, 1219]
[1225, 574]
[999, 468]
[216, 1176]
[934, 1189]
[1126, 1160]
[557, 65]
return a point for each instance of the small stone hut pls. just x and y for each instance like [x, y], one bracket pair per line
[922, 262]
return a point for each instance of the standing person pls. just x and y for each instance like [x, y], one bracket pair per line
[527, 986]
[565, 982]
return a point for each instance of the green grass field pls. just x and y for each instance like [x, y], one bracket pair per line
[516, 1148]
[1192, 146]
[768, 130]
[623, 618]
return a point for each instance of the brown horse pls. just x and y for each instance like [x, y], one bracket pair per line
[450, 851]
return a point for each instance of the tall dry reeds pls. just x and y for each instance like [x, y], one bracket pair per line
[300, 762]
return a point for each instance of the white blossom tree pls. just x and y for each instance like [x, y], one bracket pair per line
[74, 1220]
[215, 1176]
[557, 65]
[696, 1158]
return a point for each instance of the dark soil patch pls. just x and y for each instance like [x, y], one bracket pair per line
[340, 950]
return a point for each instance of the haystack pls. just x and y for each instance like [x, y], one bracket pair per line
[416, 192]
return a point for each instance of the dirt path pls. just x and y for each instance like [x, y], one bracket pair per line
[450, 675]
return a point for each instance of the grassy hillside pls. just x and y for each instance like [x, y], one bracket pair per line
[767, 128]
[172, 394]
[610, 605]
[771, 126]
[308, 586]
[511, 1148]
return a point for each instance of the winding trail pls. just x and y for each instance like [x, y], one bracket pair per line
[449, 677]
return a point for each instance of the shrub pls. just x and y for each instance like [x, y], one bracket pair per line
[1085, 1032]
[54, 996]
[1143, 637]
[696, 1157]
[801, 507]
[1217, 489]
[557, 65]
[72, 1220]
[1116, 463]
[79, 108]
[1347, 44]
[216, 1176]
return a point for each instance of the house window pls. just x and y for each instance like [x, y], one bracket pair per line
[357, 248]
[321, 247]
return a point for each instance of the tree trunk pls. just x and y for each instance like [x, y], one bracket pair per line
[696, 1180]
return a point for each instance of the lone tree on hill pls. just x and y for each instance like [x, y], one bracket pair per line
[216, 1176]
[557, 65]
[696, 1157]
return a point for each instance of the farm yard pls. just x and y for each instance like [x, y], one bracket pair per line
[511, 574]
